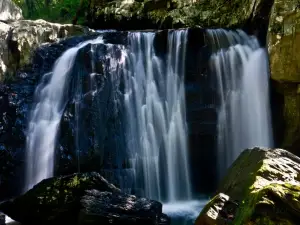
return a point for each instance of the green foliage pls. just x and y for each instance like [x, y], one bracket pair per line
[60, 11]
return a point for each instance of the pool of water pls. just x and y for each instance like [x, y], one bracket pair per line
[183, 213]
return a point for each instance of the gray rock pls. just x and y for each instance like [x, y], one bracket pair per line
[9, 11]
[18, 41]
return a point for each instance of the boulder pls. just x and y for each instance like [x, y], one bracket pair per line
[19, 39]
[83, 199]
[219, 210]
[265, 183]
[55, 200]
[284, 47]
[118, 209]
[9, 11]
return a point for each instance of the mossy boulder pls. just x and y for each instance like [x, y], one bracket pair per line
[284, 47]
[265, 185]
[55, 200]
[82, 199]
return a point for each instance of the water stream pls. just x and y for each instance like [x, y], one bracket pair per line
[156, 118]
[50, 99]
[242, 77]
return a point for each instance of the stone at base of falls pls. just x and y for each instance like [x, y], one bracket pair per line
[2, 219]
[60, 201]
[219, 210]
[119, 209]
[266, 185]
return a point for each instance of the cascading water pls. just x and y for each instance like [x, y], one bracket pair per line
[155, 114]
[241, 69]
[50, 99]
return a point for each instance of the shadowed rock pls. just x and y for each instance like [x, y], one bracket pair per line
[83, 199]
[111, 208]
[54, 200]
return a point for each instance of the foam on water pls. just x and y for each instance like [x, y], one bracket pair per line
[184, 209]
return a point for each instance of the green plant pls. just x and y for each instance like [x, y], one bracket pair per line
[61, 11]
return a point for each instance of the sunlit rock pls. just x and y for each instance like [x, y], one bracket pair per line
[21, 38]
[265, 183]
[214, 211]
[9, 11]
[284, 47]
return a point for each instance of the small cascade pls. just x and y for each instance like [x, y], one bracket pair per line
[50, 99]
[244, 118]
[156, 118]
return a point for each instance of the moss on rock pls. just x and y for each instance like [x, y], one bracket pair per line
[284, 47]
[266, 183]
[175, 13]
[55, 199]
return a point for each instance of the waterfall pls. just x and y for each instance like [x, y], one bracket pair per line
[50, 99]
[156, 118]
[154, 121]
[244, 118]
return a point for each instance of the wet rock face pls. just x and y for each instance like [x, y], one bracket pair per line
[9, 11]
[265, 183]
[284, 46]
[11, 141]
[83, 198]
[16, 99]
